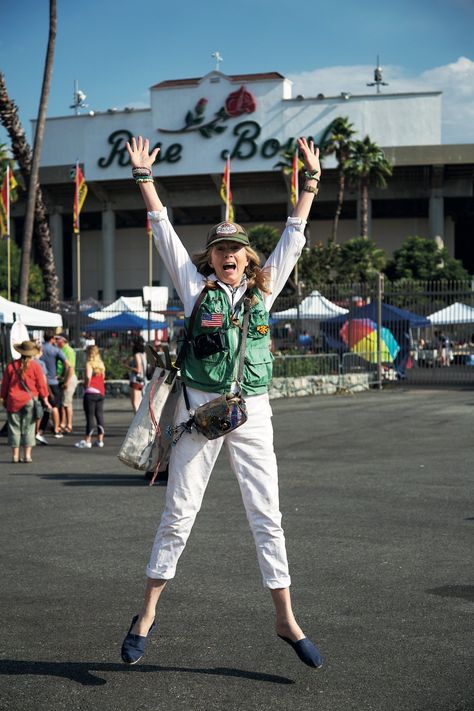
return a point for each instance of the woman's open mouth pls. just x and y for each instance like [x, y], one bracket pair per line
[229, 267]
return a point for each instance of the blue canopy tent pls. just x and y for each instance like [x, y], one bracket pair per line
[126, 321]
[398, 321]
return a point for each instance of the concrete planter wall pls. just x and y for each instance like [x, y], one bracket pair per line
[318, 385]
[280, 387]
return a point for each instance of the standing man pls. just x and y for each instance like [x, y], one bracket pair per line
[67, 381]
[50, 356]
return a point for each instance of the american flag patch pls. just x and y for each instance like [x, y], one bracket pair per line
[211, 320]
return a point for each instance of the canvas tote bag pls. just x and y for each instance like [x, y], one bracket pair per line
[146, 445]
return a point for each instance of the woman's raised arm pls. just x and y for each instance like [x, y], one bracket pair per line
[142, 161]
[310, 155]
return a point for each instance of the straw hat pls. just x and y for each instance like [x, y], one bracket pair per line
[27, 348]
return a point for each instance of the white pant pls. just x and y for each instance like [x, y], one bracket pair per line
[251, 455]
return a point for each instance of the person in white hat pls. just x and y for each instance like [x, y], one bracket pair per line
[219, 280]
[23, 385]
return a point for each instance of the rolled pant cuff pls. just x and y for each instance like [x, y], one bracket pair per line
[276, 584]
[154, 575]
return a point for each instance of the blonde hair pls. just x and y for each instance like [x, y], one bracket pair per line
[257, 278]
[24, 362]
[94, 360]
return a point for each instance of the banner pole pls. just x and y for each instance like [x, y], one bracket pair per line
[9, 268]
[78, 265]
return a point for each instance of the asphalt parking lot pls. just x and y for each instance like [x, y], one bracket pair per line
[376, 494]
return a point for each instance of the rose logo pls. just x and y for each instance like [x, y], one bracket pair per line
[236, 104]
[240, 102]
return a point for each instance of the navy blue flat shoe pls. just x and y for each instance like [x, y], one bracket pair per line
[133, 646]
[306, 651]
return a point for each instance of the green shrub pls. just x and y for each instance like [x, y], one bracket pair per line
[297, 366]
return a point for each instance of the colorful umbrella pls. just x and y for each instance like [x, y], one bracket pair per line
[360, 335]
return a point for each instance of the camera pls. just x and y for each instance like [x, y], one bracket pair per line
[206, 344]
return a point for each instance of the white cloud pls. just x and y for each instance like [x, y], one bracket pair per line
[455, 80]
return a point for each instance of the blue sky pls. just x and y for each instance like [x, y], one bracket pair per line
[118, 49]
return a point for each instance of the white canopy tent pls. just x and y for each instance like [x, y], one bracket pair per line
[10, 312]
[131, 304]
[315, 306]
[455, 314]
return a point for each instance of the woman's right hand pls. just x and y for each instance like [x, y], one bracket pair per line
[139, 152]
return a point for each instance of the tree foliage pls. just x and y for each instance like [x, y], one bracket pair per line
[360, 260]
[421, 258]
[319, 264]
[35, 282]
[264, 239]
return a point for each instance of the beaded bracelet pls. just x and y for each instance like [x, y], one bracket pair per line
[141, 171]
[145, 179]
[312, 174]
[311, 189]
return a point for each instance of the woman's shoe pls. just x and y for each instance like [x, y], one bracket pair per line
[133, 646]
[15, 460]
[306, 651]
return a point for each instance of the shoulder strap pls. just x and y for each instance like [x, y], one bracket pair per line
[243, 343]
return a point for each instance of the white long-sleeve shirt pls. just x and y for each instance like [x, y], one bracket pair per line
[189, 282]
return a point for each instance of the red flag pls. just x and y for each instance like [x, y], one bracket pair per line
[8, 185]
[226, 193]
[79, 197]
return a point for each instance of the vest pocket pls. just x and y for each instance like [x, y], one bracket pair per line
[258, 366]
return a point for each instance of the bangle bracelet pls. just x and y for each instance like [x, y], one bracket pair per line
[310, 189]
[312, 174]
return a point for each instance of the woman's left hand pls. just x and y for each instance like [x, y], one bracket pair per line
[310, 155]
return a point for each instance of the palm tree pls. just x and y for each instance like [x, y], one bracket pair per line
[23, 156]
[22, 153]
[5, 159]
[338, 141]
[366, 166]
[37, 145]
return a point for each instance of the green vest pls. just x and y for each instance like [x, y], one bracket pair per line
[217, 372]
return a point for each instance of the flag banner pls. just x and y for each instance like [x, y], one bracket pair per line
[8, 186]
[226, 193]
[294, 179]
[79, 197]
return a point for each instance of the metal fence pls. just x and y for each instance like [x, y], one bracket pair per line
[407, 331]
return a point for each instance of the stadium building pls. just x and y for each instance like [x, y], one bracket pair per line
[253, 118]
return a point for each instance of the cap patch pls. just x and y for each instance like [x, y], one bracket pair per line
[227, 228]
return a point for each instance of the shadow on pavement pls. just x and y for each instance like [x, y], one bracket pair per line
[466, 592]
[82, 672]
[97, 479]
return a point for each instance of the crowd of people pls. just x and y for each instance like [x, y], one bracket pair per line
[37, 392]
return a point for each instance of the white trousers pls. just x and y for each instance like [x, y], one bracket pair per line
[253, 461]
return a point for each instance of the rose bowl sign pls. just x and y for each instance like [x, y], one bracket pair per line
[186, 123]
